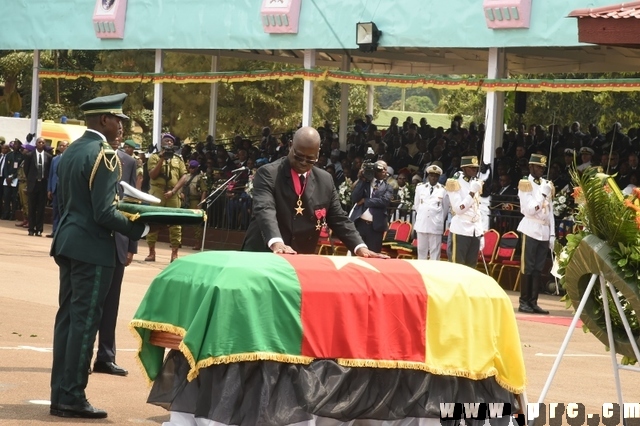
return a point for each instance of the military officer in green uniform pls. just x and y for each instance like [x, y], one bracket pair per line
[22, 188]
[167, 174]
[194, 192]
[84, 249]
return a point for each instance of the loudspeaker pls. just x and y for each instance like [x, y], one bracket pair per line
[521, 102]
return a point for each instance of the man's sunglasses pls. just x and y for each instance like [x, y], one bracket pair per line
[301, 159]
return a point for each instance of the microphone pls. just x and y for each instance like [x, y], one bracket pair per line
[240, 169]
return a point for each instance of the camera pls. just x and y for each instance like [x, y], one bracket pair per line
[168, 153]
[369, 169]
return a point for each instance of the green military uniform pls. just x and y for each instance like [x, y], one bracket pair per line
[172, 171]
[193, 189]
[22, 191]
[84, 249]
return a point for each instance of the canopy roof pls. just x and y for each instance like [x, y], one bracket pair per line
[419, 37]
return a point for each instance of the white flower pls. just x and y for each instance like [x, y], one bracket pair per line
[562, 199]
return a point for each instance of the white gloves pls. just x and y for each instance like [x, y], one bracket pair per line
[545, 188]
[482, 243]
[552, 243]
[475, 186]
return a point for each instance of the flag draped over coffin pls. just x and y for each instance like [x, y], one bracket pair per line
[437, 317]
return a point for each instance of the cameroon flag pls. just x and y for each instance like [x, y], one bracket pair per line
[433, 316]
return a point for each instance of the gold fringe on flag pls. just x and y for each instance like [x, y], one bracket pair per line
[355, 77]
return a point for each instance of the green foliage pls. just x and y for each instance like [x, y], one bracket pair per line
[605, 215]
[390, 95]
[52, 112]
[329, 105]
[415, 103]
[466, 102]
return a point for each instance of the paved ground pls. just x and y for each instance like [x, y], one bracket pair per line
[28, 303]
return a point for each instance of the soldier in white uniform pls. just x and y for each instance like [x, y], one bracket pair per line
[431, 204]
[466, 230]
[538, 231]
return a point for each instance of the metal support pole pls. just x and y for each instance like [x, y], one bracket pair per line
[494, 115]
[35, 93]
[307, 100]
[344, 105]
[371, 90]
[213, 102]
[565, 342]
[157, 102]
[612, 344]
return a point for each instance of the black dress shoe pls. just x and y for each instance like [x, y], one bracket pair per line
[525, 308]
[109, 368]
[84, 410]
[31, 234]
[49, 235]
[38, 234]
[538, 310]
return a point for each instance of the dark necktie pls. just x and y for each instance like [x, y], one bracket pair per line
[40, 174]
[431, 191]
[302, 182]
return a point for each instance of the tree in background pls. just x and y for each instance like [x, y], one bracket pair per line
[330, 109]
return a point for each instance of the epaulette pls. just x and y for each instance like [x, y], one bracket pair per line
[108, 156]
[420, 184]
[525, 186]
[457, 175]
[452, 185]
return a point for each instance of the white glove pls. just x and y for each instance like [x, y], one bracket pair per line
[552, 243]
[475, 186]
[482, 243]
[545, 188]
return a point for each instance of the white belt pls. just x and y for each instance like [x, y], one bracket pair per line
[541, 222]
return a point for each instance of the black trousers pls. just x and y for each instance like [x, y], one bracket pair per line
[9, 202]
[534, 255]
[371, 237]
[463, 249]
[37, 203]
[107, 330]
[83, 289]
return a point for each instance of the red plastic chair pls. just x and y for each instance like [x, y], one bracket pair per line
[491, 238]
[444, 245]
[399, 231]
[505, 256]
[324, 242]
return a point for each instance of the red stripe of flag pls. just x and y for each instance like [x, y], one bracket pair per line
[357, 313]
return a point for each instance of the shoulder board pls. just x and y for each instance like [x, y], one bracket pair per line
[107, 148]
[525, 186]
[420, 184]
[457, 175]
[452, 185]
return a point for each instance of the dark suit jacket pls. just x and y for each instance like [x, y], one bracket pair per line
[52, 183]
[274, 201]
[31, 168]
[377, 205]
[88, 216]
[124, 244]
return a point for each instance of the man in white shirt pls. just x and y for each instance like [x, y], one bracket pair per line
[538, 231]
[431, 204]
[466, 225]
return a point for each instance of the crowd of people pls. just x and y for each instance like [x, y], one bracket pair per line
[284, 190]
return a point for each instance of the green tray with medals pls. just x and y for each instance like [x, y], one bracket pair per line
[162, 215]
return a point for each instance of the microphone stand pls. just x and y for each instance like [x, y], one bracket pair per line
[213, 196]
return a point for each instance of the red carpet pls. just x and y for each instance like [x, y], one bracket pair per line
[548, 319]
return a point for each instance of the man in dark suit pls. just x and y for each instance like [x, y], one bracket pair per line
[371, 199]
[84, 249]
[293, 200]
[125, 249]
[52, 187]
[36, 168]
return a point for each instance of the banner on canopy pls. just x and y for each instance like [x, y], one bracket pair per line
[355, 77]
